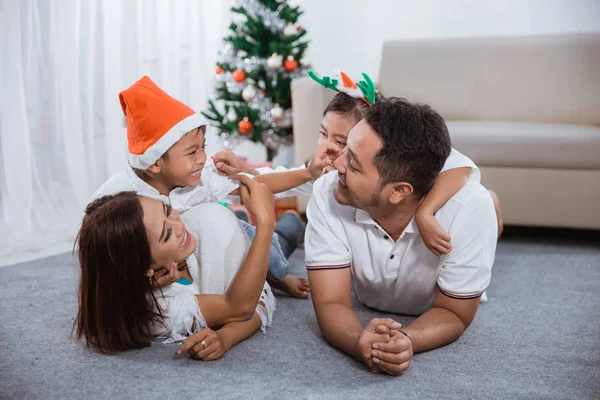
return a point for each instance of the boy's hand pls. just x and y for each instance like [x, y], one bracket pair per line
[206, 345]
[323, 158]
[434, 237]
[258, 199]
[228, 164]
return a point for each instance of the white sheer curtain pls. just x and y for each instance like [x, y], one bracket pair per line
[63, 63]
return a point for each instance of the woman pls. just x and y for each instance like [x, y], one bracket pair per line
[126, 241]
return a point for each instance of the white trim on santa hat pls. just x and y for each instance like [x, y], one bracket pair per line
[154, 152]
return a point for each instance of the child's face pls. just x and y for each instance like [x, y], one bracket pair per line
[183, 163]
[334, 129]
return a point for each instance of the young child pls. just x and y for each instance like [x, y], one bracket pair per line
[167, 158]
[346, 109]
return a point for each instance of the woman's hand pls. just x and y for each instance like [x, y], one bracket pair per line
[206, 345]
[258, 199]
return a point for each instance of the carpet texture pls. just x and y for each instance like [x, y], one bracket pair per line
[538, 337]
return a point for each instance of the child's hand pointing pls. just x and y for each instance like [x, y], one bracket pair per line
[323, 158]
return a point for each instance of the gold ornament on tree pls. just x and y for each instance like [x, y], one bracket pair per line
[249, 93]
[289, 30]
[274, 62]
[277, 113]
[232, 116]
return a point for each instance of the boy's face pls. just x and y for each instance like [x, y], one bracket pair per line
[183, 162]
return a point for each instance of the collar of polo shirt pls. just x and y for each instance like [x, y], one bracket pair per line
[363, 217]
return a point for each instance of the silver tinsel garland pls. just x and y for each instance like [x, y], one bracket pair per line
[270, 18]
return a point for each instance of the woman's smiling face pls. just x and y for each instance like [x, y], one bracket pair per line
[169, 240]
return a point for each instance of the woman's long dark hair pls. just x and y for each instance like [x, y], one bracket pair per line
[116, 302]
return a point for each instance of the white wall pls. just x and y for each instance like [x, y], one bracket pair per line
[349, 34]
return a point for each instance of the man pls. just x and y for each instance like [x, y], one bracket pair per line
[362, 233]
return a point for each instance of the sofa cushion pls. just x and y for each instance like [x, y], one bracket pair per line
[548, 78]
[534, 145]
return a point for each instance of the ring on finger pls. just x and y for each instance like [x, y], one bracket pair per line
[203, 344]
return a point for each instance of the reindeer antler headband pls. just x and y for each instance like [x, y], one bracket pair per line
[341, 82]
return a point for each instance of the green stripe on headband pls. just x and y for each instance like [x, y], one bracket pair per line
[324, 81]
[367, 87]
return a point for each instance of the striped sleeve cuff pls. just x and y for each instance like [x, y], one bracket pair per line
[461, 296]
[326, 267]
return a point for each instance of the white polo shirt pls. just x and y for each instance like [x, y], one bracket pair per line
[212, 187]
[401, 277]
[456, 159]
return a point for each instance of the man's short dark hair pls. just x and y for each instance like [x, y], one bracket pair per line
[415, 140]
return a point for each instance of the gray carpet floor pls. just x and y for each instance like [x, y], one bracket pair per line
[538, 337]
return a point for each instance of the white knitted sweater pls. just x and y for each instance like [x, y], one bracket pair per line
[222, 246]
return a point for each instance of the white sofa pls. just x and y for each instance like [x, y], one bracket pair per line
[525, 109]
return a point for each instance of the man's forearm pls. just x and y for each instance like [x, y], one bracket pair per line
[340, 326]
[437, 327]
[282, 181]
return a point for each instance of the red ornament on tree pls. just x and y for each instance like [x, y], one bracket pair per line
[239, 75]
[219, 70]
[299, 27]
[290, 64]
[245, 126]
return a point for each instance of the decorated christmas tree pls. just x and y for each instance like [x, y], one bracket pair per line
[263, 52]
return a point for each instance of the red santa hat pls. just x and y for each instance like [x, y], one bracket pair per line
[155, 121]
